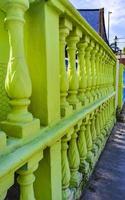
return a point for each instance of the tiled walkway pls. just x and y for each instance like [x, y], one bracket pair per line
[108, 180]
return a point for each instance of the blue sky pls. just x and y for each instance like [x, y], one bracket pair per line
[117, 18]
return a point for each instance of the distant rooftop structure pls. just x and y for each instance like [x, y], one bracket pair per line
[95, 17]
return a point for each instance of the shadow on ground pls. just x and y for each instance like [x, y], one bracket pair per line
[108, 179]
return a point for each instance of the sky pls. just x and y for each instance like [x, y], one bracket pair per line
[117, 18]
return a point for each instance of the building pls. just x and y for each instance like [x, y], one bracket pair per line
[95, 17]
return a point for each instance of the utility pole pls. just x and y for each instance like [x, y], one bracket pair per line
[116, 39]
[109, 13]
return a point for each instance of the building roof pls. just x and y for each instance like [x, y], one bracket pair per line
[95, 17]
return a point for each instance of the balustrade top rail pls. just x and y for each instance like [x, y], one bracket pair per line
[69, 11]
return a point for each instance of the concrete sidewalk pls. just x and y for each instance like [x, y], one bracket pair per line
[108, 179]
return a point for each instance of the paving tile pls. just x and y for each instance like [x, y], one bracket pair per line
[108, 179]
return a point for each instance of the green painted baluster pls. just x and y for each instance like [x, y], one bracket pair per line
[18, 83]
[66, 192]
[5, 183]
[100, 72]
[108, 113]
[88, 136]
[104, 120]
[106, 74]
[97, 70]
[111, 113]
[93, 53]
[74, 161]
[97, 124]
[66, 109]
[114, 74]
[106, 116]
[94, 71]
[26, 178]
[82, 147]
[93, 133]
[101, 125]
[103, 74]
[109, 76]
[89, 72]
[82, 45]
[72, 41]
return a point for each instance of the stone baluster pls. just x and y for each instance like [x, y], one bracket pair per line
[93, 133]
[114, 74]
[93, 68]
[5, 183]
[100, 71]
[112, 79]
[26, 178]
[74, 160]
[101, 122]
[89, 71]
[66, 109]
[103, 74]
[103, 119]
[66, 192]
[106, 117]
[97, 70]
[82, 147]
[18, 84]
[82, 45]
[97, 125]
[108, 112]
[72, 41]
[107, 75]
[88, 136]
[109, 64]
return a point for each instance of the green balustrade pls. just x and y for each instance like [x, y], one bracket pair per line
[54, 120]
[120, 87]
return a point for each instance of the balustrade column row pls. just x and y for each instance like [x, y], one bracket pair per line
[82, 145]
[92, 78]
